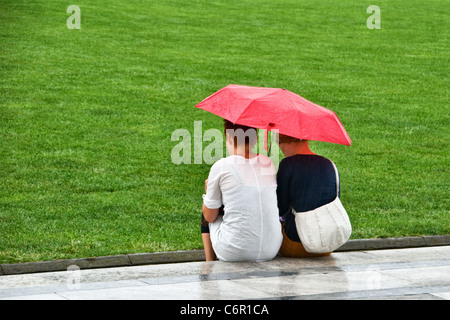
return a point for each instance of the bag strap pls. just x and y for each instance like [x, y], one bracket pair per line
[337, 178]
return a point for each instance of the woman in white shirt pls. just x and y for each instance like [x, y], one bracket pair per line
[243, 183]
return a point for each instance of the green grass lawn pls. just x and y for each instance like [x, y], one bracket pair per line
[86, 116]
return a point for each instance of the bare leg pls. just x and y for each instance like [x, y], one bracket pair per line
[207, 245]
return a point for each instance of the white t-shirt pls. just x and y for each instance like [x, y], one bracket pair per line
[250, 229]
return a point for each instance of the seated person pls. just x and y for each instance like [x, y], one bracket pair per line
[305, 181]
[243, 183]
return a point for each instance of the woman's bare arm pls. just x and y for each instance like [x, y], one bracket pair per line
[210, 214]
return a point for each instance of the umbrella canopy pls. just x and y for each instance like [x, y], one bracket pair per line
[279, 109]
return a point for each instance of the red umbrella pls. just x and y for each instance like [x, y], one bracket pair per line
[280, 109]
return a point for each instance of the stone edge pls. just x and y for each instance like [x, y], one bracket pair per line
[198, 255]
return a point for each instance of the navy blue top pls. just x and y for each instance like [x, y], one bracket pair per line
[305, 182]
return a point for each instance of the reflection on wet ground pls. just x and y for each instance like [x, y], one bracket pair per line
[420, 273]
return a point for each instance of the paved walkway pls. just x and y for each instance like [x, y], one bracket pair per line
[416, 273]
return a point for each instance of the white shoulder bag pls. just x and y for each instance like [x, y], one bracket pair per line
[326, 228]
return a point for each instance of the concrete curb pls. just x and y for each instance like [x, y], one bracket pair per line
[198, 255]
[395, 243]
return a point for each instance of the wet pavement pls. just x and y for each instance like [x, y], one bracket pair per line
[415, 273]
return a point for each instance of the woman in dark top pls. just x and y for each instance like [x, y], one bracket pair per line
[305, 181]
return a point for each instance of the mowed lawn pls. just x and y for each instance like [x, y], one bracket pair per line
[86, 116]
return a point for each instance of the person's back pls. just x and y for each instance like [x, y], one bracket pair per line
[244, 184]
[305, 182]
[250, 229]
